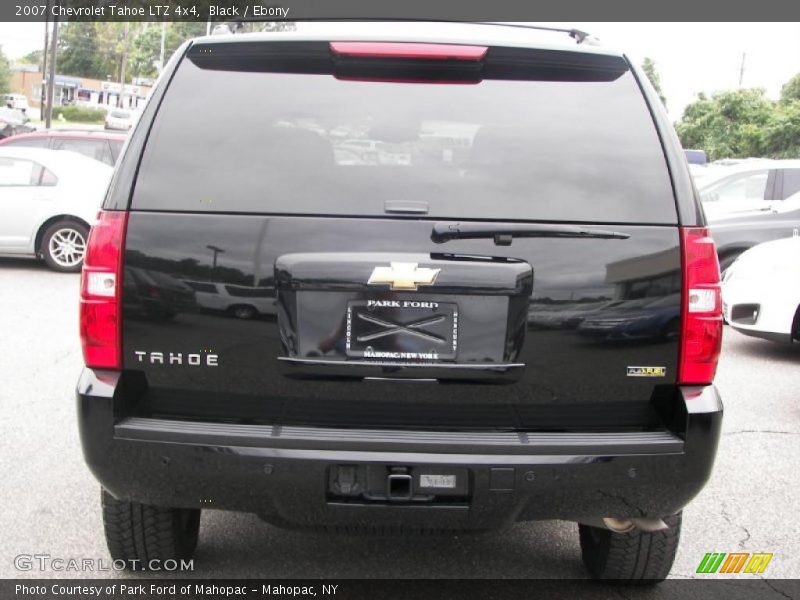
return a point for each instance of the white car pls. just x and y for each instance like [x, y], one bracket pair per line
[761, 291]
[240, 301]
[17, 101]
[753, 184]
[49, 199]
[119, 119]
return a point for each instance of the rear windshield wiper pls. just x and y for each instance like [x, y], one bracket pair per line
[504, 233]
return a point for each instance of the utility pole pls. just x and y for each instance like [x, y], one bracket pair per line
[51, 80]
[122, 66]
[43, 88]
[217, 251]
[741, 69]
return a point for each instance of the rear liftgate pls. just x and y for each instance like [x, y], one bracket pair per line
[402, 317]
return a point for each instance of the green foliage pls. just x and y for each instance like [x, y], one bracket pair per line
[5, 73]
[741, 123]
[782, 133]
[79, 114]
[649, 68]
[88, 49]
[145, 48]
[95, 49]
[33, 58]
[791, 90]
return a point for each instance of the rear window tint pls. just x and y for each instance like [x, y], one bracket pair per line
[199, 286]
[248, 292]
[97, 149]
[791, 182]
[563, 149]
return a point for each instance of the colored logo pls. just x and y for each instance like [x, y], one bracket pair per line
[734, 562]
[403, 276]
[647, 371]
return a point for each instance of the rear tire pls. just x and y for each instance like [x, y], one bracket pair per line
[64, 246]
[633, 557]
[244, 312]
[139, 533]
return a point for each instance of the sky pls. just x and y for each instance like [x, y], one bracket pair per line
[690, 57]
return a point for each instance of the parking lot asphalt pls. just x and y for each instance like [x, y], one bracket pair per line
[51, 503]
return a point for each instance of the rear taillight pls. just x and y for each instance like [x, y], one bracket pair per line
[701, 335]
[101, 292]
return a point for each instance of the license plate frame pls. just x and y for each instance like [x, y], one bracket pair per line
[402, 330]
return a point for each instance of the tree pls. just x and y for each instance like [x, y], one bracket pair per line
[91, 49]
[782, 132]
[146, 45]
[730, 124]
[79, 51]
[649, 68]
[791, 90]
[33, 58]
[5, 73]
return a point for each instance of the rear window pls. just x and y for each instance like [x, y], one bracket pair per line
[563, 146]
[791, 182]
[248, 292]
[199, 286]
[21, 172]
[98, 149]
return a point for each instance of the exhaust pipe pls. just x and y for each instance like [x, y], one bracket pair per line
[626, 525]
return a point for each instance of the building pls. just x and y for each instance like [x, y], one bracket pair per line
[27, 80]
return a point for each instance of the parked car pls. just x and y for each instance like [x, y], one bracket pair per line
[98, 145]
[17, 101]
[119, 119]
[761, 291]
[240, 301]
[13, 122]
[749, 185]
[401, 291]
[563, 315]
[49, 200]
[154, 295]
[635, 320]
[736, 233]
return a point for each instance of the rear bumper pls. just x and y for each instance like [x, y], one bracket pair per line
[285, 474]
[773, 336]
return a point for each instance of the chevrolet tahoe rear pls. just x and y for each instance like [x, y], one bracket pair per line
[503, 305]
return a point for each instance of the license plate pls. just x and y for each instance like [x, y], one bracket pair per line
[402, 330]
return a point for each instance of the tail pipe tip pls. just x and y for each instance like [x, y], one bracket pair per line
[626, 525]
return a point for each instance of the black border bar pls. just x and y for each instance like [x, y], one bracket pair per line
[369, 10]
[708, 587]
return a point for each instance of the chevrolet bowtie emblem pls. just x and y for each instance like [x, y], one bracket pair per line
[403, 276]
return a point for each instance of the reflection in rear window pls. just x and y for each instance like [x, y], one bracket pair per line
[317, 144]
[242, 291]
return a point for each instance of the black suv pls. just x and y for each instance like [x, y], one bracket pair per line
[423, 368]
